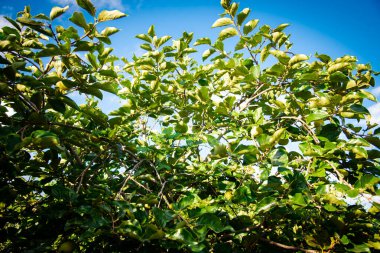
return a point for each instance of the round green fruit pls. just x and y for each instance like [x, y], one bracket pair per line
[66, 247]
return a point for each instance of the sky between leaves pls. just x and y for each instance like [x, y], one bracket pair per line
[333, 27]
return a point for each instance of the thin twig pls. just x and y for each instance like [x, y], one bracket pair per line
[28, 60]
[124, 183]
[340, 176]
[81, 176]
[249, 100]
[283, 246]
[307, 128]
[160, 194]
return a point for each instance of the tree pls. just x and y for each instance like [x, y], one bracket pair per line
[225, 155]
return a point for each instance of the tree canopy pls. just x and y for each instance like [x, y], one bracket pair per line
[256, 148]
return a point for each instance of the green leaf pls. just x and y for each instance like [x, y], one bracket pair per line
[331, 132]
[151, 31]
[255, 70]
[6, 45]
[202, 41]
[320, 172]
[324, 58]
[309, 149]
[227, 33]
[92, 59]
[309, 76]
[57, 11]
[279, 157]
[360, 152]
[368, 95]
[330, 208]
[276, 136]
[162, 216]
[57, 105]
[107, 86]
[163, 40]
[367, 181]
[280, 55]
[41, 16]
[78, 19]
[243, 15]
[183, 235]
[92, 91]
[264, 53]
[110, 15]
[108, 31]
[373, 140]
[276, 70]
[206, 54]
[298, 58]
[212, 222]
[359, 248]
[88, 6]
[188, 200]
[14, 23]
[359, 109]
[203, 93]
[298, 199]
[29, 22]
[222, 22]
[265, 204]
[144, 37]
[181, 128]
[50, 51]
[337, 67]
[345, 240]
[250, 25]
[108, 72]
[316, 115]
[69, 102]
[281, 27]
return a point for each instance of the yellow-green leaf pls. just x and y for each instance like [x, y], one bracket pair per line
[222, 22]
[202, 41]
[276, 136]
[360, 152]
[207, 53]
[234, 7]
[225, 3]
[250, 25]
[110, 15]
[280, 55]
[298, 58]
[243, 15]
[264, 54]
[227, 33]
[108, 31]
[57, 11]
[337, 67]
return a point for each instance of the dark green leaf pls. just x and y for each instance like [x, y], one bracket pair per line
[78, 19]
[88, 6]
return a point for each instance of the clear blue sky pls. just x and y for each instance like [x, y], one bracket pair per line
[334, 27]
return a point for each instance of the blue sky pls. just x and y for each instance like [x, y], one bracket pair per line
[333, 27]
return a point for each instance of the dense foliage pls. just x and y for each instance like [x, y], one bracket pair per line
[256, 148]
